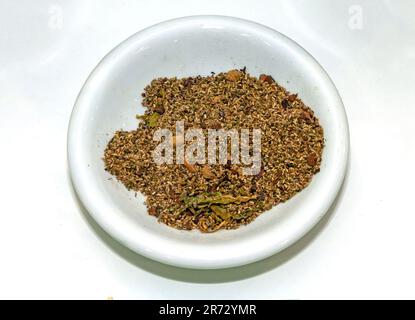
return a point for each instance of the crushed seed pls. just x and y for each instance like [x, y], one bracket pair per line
[213, 197]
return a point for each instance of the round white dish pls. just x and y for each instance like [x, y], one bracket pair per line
[190, 46]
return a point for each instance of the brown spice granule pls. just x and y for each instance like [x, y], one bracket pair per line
[213, 197]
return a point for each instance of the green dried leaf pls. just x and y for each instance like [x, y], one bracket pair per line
[216, 199]
[151, 120]
[242, 215]
[221, 212]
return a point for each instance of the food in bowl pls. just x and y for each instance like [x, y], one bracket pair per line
[214, 152]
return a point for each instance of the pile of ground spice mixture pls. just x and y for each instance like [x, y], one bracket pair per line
[212, 197]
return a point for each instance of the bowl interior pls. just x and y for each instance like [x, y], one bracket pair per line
[111, 98]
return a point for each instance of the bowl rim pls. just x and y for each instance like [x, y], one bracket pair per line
[122, 232]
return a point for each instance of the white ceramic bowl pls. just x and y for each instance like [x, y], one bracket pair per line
[190, 46]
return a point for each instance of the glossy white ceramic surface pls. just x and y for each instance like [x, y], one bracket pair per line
[110, 99]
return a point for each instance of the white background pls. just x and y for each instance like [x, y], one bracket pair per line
[50, 248]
